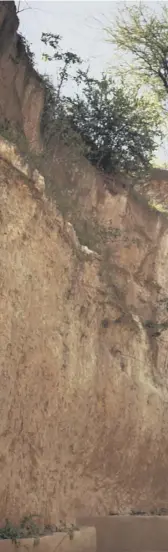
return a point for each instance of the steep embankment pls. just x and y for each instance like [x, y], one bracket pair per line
[21, 92]
[84, 396]
[83, 340]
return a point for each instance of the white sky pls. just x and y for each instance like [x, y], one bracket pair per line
[80, 23]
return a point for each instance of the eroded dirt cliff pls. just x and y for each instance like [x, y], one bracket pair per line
[83, 394]
[83, 329]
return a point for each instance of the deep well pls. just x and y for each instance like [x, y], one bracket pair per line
[83, 341]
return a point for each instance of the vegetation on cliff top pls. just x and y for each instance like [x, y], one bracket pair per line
[115, 122]
[117, 127]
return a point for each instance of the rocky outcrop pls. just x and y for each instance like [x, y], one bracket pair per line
[21, 91]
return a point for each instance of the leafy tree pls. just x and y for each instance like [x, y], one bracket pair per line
[54, 121]
[118, 127]
[143, 34]
[68, 59]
